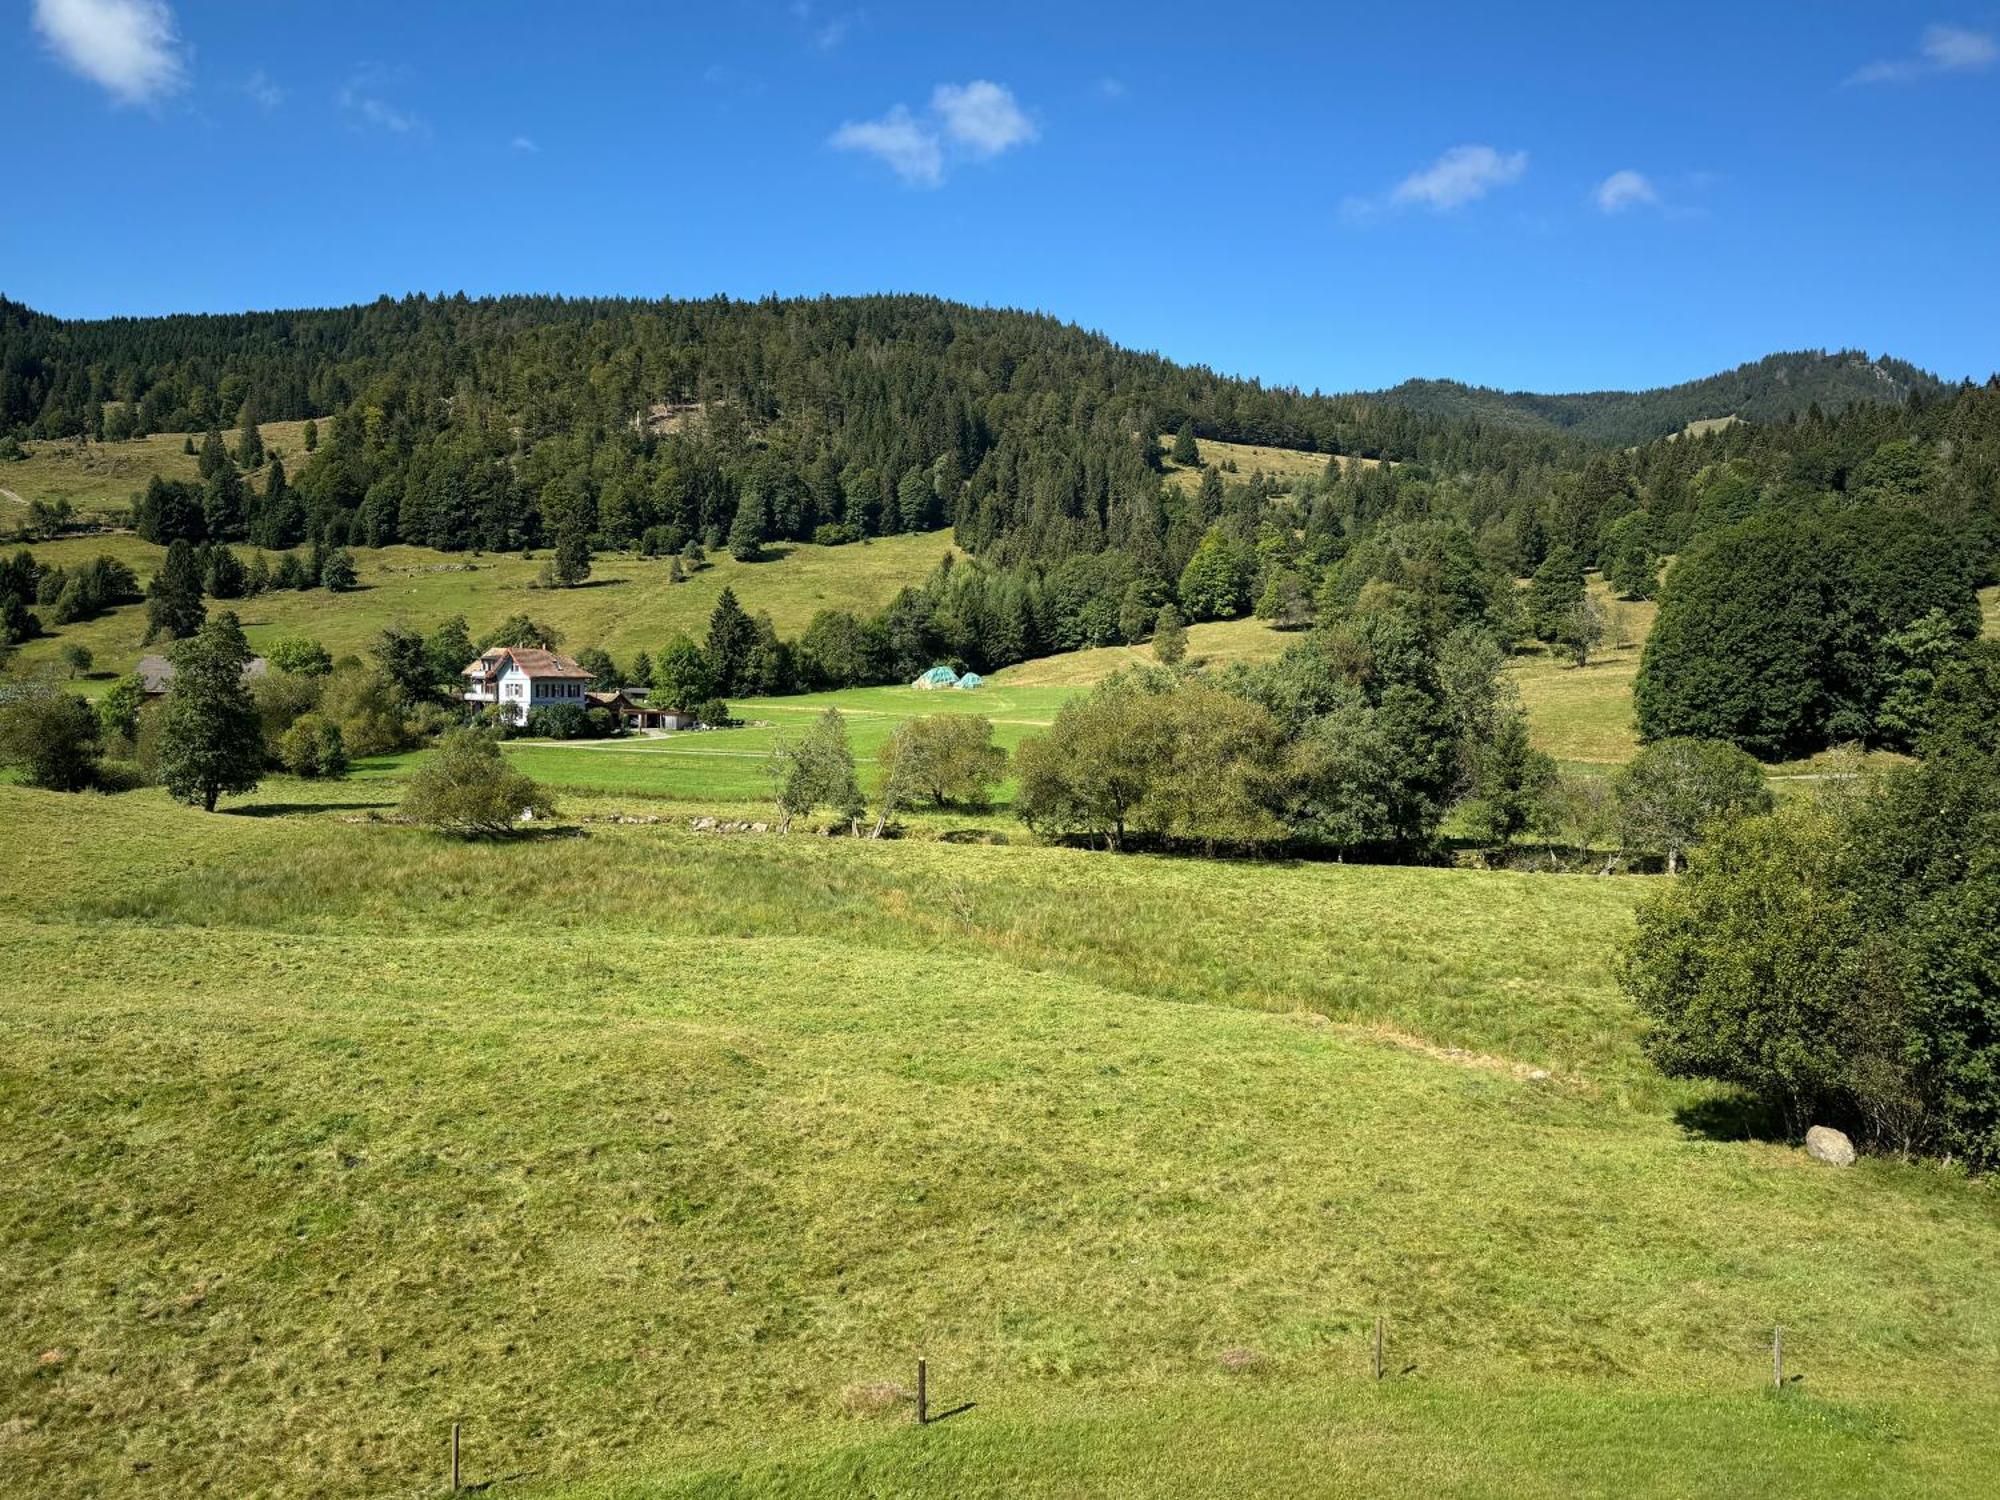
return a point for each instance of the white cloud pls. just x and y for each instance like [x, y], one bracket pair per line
[363, 98]
[910, 147]
[128, 46]
[826, 32]
[1626, 189]
[1462, 175]
[523, 143]
[974, 121]
[981, 116]
[1941, 49]
[1112, 88]
[260, 88]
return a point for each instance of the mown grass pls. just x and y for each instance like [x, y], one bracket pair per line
[628, 605]
[637, 1151]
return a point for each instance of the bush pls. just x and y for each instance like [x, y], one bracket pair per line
[467, 788]
[834, 534]
[559, 721]
[1841, 960]
[53, 736]
[312, 747]
[713, 712]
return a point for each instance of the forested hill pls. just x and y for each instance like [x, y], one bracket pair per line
[1772, 389]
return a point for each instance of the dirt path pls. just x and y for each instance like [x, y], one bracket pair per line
[7, 494]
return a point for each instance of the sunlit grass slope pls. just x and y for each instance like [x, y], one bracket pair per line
[629, 604]
[643, 1154]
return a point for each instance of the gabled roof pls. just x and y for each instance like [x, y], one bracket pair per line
[532, 660]
[156, 673]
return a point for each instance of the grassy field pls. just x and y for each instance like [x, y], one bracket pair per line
[629, 604]
[656, 1159]
[1286, 465]
[101, 478]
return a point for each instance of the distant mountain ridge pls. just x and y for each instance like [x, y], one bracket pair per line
[1767, 390]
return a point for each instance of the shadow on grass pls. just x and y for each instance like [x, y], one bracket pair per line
[1734, 1117]
[289, 809]
[933, 1418]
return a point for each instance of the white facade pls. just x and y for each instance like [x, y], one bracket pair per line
[521, 681]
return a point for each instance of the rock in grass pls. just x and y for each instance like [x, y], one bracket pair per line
[1823, 1143]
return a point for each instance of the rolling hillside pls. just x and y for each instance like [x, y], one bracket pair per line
[1768, 390]
[664, 1189]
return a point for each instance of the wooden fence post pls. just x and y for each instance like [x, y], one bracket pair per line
[1778, 1357]
[1378, 1346]
[454, 1458]
[923, 1395]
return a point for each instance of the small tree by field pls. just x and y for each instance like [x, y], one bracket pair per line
[211, 740]
[682, 675]
[1186, 452]
[1670, 791]
[1511, 781]
[173, 600]
[746, 532]
[53, 736]
[76, 660]
[949, 758]
[1169, 637]
[732, 636]
[1554, 594]
[817, 770]
[1581, 630]
[467, 788]
[313, 747]
[337, 571]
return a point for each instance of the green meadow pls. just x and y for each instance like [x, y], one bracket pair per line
[630, 603]
[657, 1159]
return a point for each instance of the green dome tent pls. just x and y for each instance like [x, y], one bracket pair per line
[970, 681]
[937, 677]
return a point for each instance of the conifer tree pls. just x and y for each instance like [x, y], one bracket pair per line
[173, 600]
[1186, 452]
[211, 741]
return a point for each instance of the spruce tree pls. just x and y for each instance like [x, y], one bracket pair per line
[211, 740]
[1186, 452]
[173, 600]
[746, 533]
[732, 635]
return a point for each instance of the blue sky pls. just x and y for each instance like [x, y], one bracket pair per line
[1541, 196]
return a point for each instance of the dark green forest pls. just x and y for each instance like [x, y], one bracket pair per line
[1772, 389]
[1861, 495]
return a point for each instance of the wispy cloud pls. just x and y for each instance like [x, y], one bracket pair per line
[1941, 49]
[1112, 88]
[974, 121]
[909, 146]
[1463, 175]
[260, 87]
[364, 99]
[825, 31]
[130, 47]
[524, 143]
[1625, 189]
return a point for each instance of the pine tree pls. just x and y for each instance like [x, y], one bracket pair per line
[249, 445]
[211, 740]
[1186, 452]
[746, 533]
[1554, 594]
[732, 635]
[311, 435]
[173, 600]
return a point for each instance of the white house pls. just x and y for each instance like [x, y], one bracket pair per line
[521, 679]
